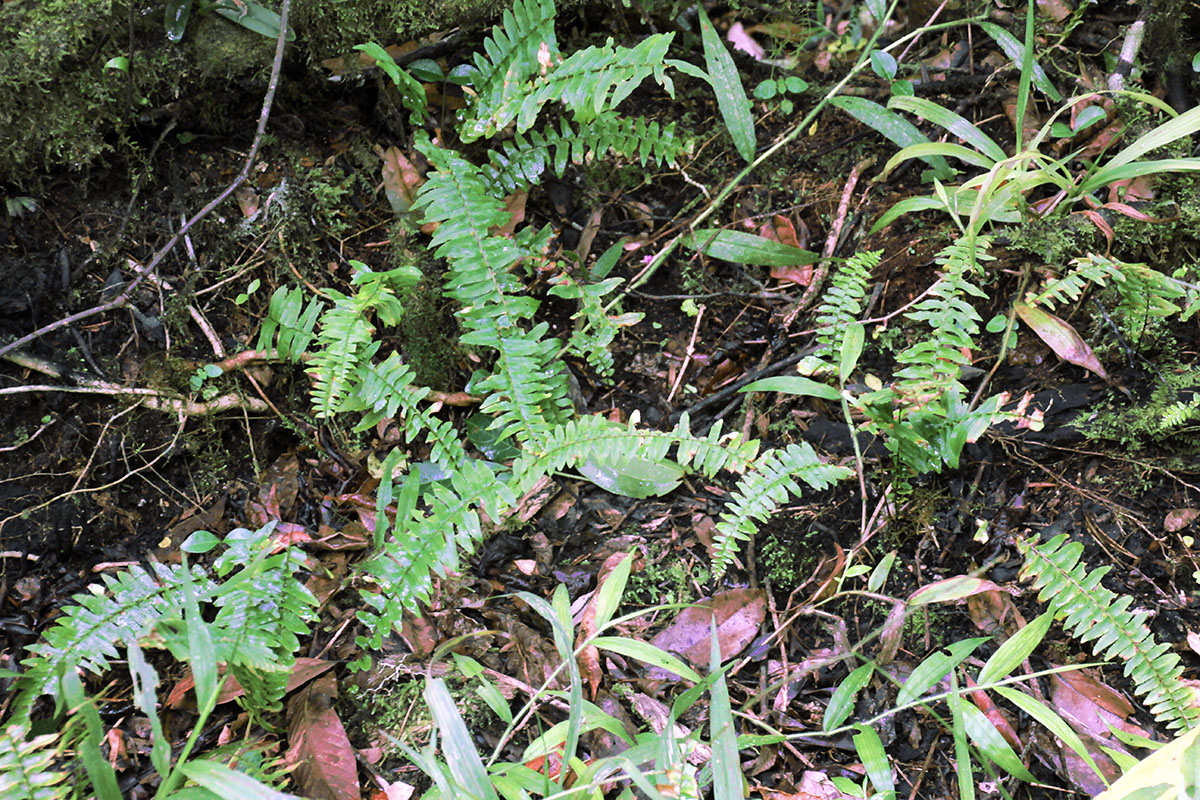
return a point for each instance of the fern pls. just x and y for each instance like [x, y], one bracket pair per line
[515, 52]
[266, 633]
[592, 81]
[289, 325]
[523, 160]
[842, 303]
[87, 633]
[1094, 614]
[26, 766]
[1070, 287]
[771, 482]
[527, 391]
[594, 328]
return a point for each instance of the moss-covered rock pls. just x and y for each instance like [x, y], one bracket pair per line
[60, 107]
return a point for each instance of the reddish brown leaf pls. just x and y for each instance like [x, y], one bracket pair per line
[1060, 336]
[318, 747]
[589, 657]
[1179, 518]
[401, 180]
[781, 230]
[303, 671]
[738, 613]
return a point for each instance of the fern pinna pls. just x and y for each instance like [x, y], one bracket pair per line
[1094, 614]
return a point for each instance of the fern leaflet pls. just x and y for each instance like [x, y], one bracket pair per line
[842, 302]
[26, 766]
[1094, 614]
[770, 483]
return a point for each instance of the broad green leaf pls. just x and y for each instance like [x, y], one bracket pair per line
[870, 751]
[731, 97]
[647, 654]
[1016, 51]
[794, 384]
[879, 575]
[609, 594]
[466, 767]
[1162, 770]
[1009, 655]
[175, 18]
[253, 17]
[630, 475]
[1052, 722]
[949, 589]
[892, 126]
[230, 783]
[747, 248]
[935, 667]
[953, 123]
[989, 741]
[842, 703]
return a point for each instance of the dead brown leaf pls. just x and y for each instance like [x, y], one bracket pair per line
[1179, 518]
[738, 614]
[318, 747]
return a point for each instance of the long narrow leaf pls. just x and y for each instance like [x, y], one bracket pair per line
[1010, 654]
[953, 123]
[726, 770]
[892, 126]
[466, 766]
[747, 248]
[1016, 51]
[731, 96]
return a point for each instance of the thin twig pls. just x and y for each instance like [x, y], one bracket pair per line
[127, 295]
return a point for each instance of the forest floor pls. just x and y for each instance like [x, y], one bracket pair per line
[93, 480]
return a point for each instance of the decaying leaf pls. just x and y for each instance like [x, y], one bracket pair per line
[738, 613]
[1061, 337]
[318, 747]
[1179, 518]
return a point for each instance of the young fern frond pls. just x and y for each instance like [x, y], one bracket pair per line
[426, 543]
[265, 633]
[26, 766]
[936, 362]
[346, 338]
[1094, 614]
[842, 302]
[597, 439]
[592, 81]
[771, 482]
[293, 321]
[385, 391]
[594, 328]
[524, 159]
[513, 54]
[527, 392]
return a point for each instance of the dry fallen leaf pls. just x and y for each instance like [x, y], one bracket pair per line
[1060, 336]
[1179, 518]
[738, 613]
[318, 747]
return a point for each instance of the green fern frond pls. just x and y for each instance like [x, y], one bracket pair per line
[592, 81]
[1094, 614]
[527, 392]
[1091, 269]
[510, 58]
[936, 361]
[264, 611]
[594, 329]
[293, 321]
[594, 438]
[842, 302]
[521, 161]
[424, 544]
[87, 632]
[346, 339]
[771, 482]
[26, 766]
[385, 391]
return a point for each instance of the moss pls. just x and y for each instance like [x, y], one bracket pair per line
[1170, 417]
[666, 579]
